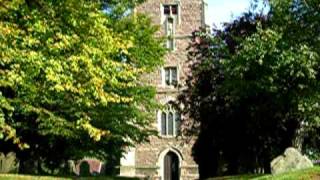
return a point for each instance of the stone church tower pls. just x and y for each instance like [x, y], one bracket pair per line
[167, 158]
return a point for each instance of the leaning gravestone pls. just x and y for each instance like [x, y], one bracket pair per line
[291, 160]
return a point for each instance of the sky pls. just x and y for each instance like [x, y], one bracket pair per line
[220, 11]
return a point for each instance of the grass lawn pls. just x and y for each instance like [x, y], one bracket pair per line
[27, 177]
[307, 174]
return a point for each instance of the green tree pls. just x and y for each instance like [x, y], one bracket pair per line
[254, 88]
[70, 80]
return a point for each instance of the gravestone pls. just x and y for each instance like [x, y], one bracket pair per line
[8, 163]
[291, 160]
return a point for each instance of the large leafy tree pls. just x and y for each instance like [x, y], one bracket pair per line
[70, 80]
[254, 88]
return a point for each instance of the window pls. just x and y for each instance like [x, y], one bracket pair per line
[174, 9]
[170, 44]
[163, 123]
[166, 9]
[170, 76]
[170, 31]
[170, 9]
[170, 17]
[170, 121]
[170, 27]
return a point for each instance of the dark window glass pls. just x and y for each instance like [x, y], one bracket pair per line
[171, 76]
[166, 9]
[174, 9]
[167, 76]
[174, 76]
[170, 124]
[163, 123]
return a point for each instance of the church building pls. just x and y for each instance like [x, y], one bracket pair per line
[166, 157]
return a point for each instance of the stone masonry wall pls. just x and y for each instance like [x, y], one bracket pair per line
[148, 157]
[148, 160]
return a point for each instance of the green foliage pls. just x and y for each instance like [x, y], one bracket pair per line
[71, 77]
[282, 62]
[8, 163]
[84, 169]
[311, 144]
[140, 29]
[118, 9]
[254, 88]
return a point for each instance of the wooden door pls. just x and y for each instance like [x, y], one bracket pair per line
[171, 167]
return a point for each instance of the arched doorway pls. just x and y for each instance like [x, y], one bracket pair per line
[171, 166]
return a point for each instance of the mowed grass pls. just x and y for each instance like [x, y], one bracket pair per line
[29, 177]
[306, 174]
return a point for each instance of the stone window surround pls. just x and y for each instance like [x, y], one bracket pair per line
[159, 127]
[163, 77]
[176, 21]
[163, 16]
[170, 33]
[171, 76]
[174, 124]
[170, 9]
[159, 112]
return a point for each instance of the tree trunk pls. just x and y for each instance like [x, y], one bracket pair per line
[298, 138]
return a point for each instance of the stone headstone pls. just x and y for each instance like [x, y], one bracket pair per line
[8, 163]
[291, 160]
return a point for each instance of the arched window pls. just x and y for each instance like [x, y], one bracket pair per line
[170, 121]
